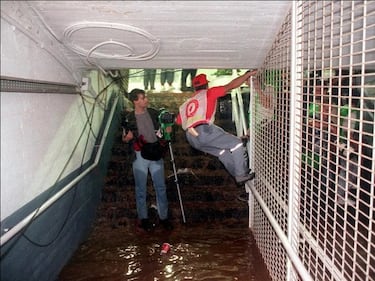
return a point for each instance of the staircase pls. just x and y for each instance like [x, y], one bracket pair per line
[209, 194]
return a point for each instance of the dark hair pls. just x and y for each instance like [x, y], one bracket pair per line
[202, 87]
[133, 95]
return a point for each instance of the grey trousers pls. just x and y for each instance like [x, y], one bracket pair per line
[228, 148]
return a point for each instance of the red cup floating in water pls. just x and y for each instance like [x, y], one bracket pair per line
[165, 248]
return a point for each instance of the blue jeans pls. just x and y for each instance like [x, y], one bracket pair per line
[166, 75]
[149, 78]
[141, 167]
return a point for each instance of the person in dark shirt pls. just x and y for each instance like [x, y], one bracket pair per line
[143, 128]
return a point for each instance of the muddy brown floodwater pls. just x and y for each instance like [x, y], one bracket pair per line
[199, 252]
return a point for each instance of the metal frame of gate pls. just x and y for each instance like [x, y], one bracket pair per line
[312, 204]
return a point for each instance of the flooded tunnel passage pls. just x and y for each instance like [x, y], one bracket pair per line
[215, 243]
[197, 252]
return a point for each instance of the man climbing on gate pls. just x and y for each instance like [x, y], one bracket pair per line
[197, 116]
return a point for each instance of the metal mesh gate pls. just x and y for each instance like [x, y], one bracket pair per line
[313, 144]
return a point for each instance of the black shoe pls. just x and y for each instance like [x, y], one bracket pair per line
[245, 139]
[244, 197]
[166, 224]
[242, 179]
[146, 225]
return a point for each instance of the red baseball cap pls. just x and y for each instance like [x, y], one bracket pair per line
[200, 80]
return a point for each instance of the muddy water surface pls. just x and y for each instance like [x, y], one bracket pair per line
[200, 252]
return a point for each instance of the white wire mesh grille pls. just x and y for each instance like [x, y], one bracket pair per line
[334, 142]
[337, 179]
[271, 147]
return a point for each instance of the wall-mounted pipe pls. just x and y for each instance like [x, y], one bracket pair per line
[19, 85]
[94, 52]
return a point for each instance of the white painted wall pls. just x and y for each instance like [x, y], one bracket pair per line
[29, 125]
[25, 56]
[39, 132]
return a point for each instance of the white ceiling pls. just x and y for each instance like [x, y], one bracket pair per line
[163, 34]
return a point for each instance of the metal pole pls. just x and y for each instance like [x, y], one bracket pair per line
[176, 181]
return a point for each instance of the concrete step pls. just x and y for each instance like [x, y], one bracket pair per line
[209, 194]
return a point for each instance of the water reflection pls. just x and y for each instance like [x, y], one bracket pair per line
[196, 253]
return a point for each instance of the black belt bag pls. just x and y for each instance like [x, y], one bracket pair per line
[153, 151]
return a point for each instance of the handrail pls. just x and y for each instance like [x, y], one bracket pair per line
[293, 184]
[34, 214]
[298, 265]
